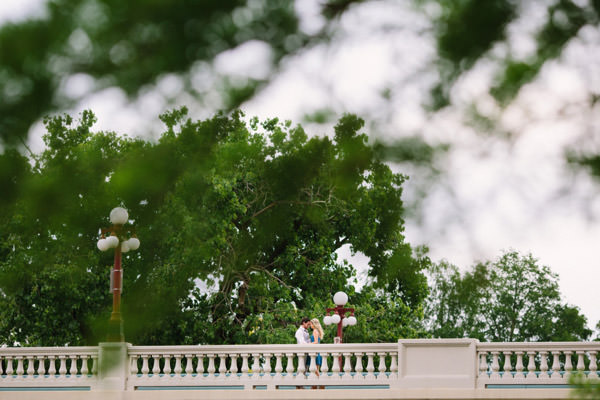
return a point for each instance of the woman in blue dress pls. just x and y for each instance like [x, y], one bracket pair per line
[317, 335]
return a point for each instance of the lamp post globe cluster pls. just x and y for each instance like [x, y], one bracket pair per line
[122, 239]
[339, 314]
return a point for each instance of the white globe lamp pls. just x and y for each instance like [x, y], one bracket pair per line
[351, 320]
[102, 245]
[340, 298]
[133, 243]
[335, 319]
[119, 216]
[112, 242]
[327, 320]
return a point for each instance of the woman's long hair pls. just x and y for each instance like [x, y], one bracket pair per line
[317, 325]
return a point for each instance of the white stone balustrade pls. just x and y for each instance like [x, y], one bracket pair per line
[465, 365]
[48, 366]
[268, 366]
[542, 363]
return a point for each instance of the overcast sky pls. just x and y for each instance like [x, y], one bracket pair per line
[493, 193]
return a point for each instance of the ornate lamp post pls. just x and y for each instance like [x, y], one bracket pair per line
[122, 239]
[339, 314]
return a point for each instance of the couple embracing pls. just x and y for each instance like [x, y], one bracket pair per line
[303, 336]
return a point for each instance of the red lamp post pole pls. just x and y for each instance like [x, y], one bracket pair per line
[116, 322]
[341, 311]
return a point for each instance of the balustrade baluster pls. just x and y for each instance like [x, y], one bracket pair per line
[267, 364]
[531, 365]
[94, 364]
[580, 361]
[568, 364]
[555, 365]
[42, 366]
[278, 365]
[300, 372]
[358, 365]
[145, 365]
[370, 366]
[543, 365]
[211, 365]
[325, 364]
[169, 366]
[495, 365]
[335, 368]
[30, 369]
[347, 366]
[200, 369]
[156, 365]
[9, 366]
[20, 370]
[507, 365]
[255, 365]
[62, 366]
[177, 370]
[289, 368]
[381, 368]
[167, 369]
[312, 368]
[222, 365]
[189, 366]
[394, 365]
[483, 365]
[245, 367]
[51, 366]
[519, 366]
[84, 365]
[593, 366]
[233, 367]
[74, 367]
[133, 365]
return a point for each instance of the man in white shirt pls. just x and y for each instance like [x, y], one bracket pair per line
[302, 336]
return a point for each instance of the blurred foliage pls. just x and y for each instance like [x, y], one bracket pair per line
[466, 32]
[586, 160]
[513, 299]
[584, 388]
[257, 211]
[132, 45]
[128, 45]
[564, 20]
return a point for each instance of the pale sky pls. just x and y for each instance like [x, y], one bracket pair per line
[493, 194]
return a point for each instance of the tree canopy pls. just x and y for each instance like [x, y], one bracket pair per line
[511, 299]
[256, 210]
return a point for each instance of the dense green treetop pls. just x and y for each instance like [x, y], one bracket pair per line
[255, 210]
[511, 299]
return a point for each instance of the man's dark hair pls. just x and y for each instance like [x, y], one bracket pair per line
[304, 320]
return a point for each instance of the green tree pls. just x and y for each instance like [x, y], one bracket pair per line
[257, 210]
[512, 299]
